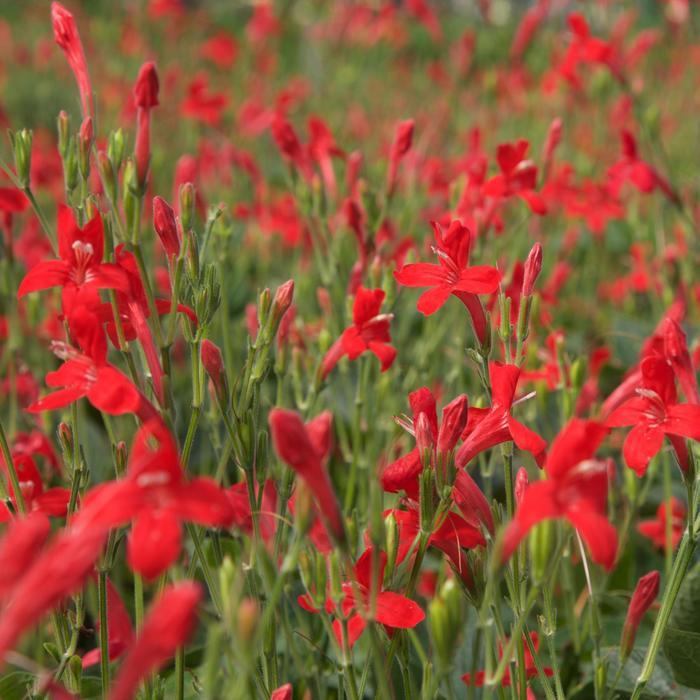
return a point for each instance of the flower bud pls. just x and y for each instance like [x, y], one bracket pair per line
[115, 149]
[541, 543]
[391, 535]
[454, 420]
[65, 439]
[22, 151]
[120, 457]
[188, 199]
[403, 140]
[644, 595]
[248, 614]
[214, 367]
[146, 87]
[104, 166]
[521, 483]
[533, 267]
[424, 438]
[85, 136]
[446, 619]
[63, 133]
[165, 226]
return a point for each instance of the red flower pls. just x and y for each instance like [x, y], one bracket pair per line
[157, 497]
[66, 35]
[576, 489]
[304, 447]
[80, 263]
[654, 413]
[530, 666]
[452, 275]
[60, 570]
[88, 374]
[168, 625]
[518, 176]
[655, 529]
[488, 427]
[393, 610]
[20, 546]
[370, 331]
[145, 99]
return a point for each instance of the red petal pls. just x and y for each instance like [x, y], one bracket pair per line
[429, 302]
[203, 501]
[421, 275]
[113, 393]
[597, 532]
[395, 610]
[641, 444]
[525, 438]
[385, 353]
[684, 420]
[154, 543]
[480, 279]
[46, 274]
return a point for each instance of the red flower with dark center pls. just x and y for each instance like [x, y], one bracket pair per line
[576, 489]
[80, 263]
[655, 413]
[452, 275]
[370, 331]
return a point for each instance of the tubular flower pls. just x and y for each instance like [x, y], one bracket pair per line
[576, 489]
[304, 448]
[80, 265]
[452, 274]
[642, 599]
[156, 496]
[168, 625]
[654, 413]
[491, 426]
[66, 35]
[145, 99]
[370, 331]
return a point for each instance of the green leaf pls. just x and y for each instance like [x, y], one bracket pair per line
[660, 685]
[682, 638]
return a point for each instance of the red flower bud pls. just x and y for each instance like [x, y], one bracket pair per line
[454, 421]
[424, 434]
[533, 267]
[521, 482]
[282, 299]
[146, 87]
[165, 226]
[644, 595]
[401, 145]
[214, 367]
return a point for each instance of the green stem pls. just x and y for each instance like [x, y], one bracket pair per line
[104, 631]
[14, 479]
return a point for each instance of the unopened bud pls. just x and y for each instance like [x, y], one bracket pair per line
[521, 483]
[115, 149]
[120, 457]
[533, 267]
[104, 166]
[63, 133]
[188, 200]
[214, 366]
[165, 226]
[644, 595]
[248, 614]
[424, 438]
[541, 543]
[85, 136]
[454, 420]
[22, 151]
[146, 87]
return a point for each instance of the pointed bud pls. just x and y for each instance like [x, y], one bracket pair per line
[22, 151]
[188, 200]
[115, 149]
[121, 456]
[454, 420]
[165, 226]
[424, 438]
[644, 595]
[248, 615]
[521, 483]
[63, 133]
[109, 182]
[146, 87]
[533, 267]
[214, 366]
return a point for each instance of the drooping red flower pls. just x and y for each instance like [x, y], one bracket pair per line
[304, 447]
[370, 331]
[655, 529]
[576, 489]
[58, 571]
[157, 497]
[488, 427]
[66, 35]
[80, 265]
[518, 176]
[452, 274]
[168, 625]
[655, 413]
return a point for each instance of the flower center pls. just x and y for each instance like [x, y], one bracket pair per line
[82, 253]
